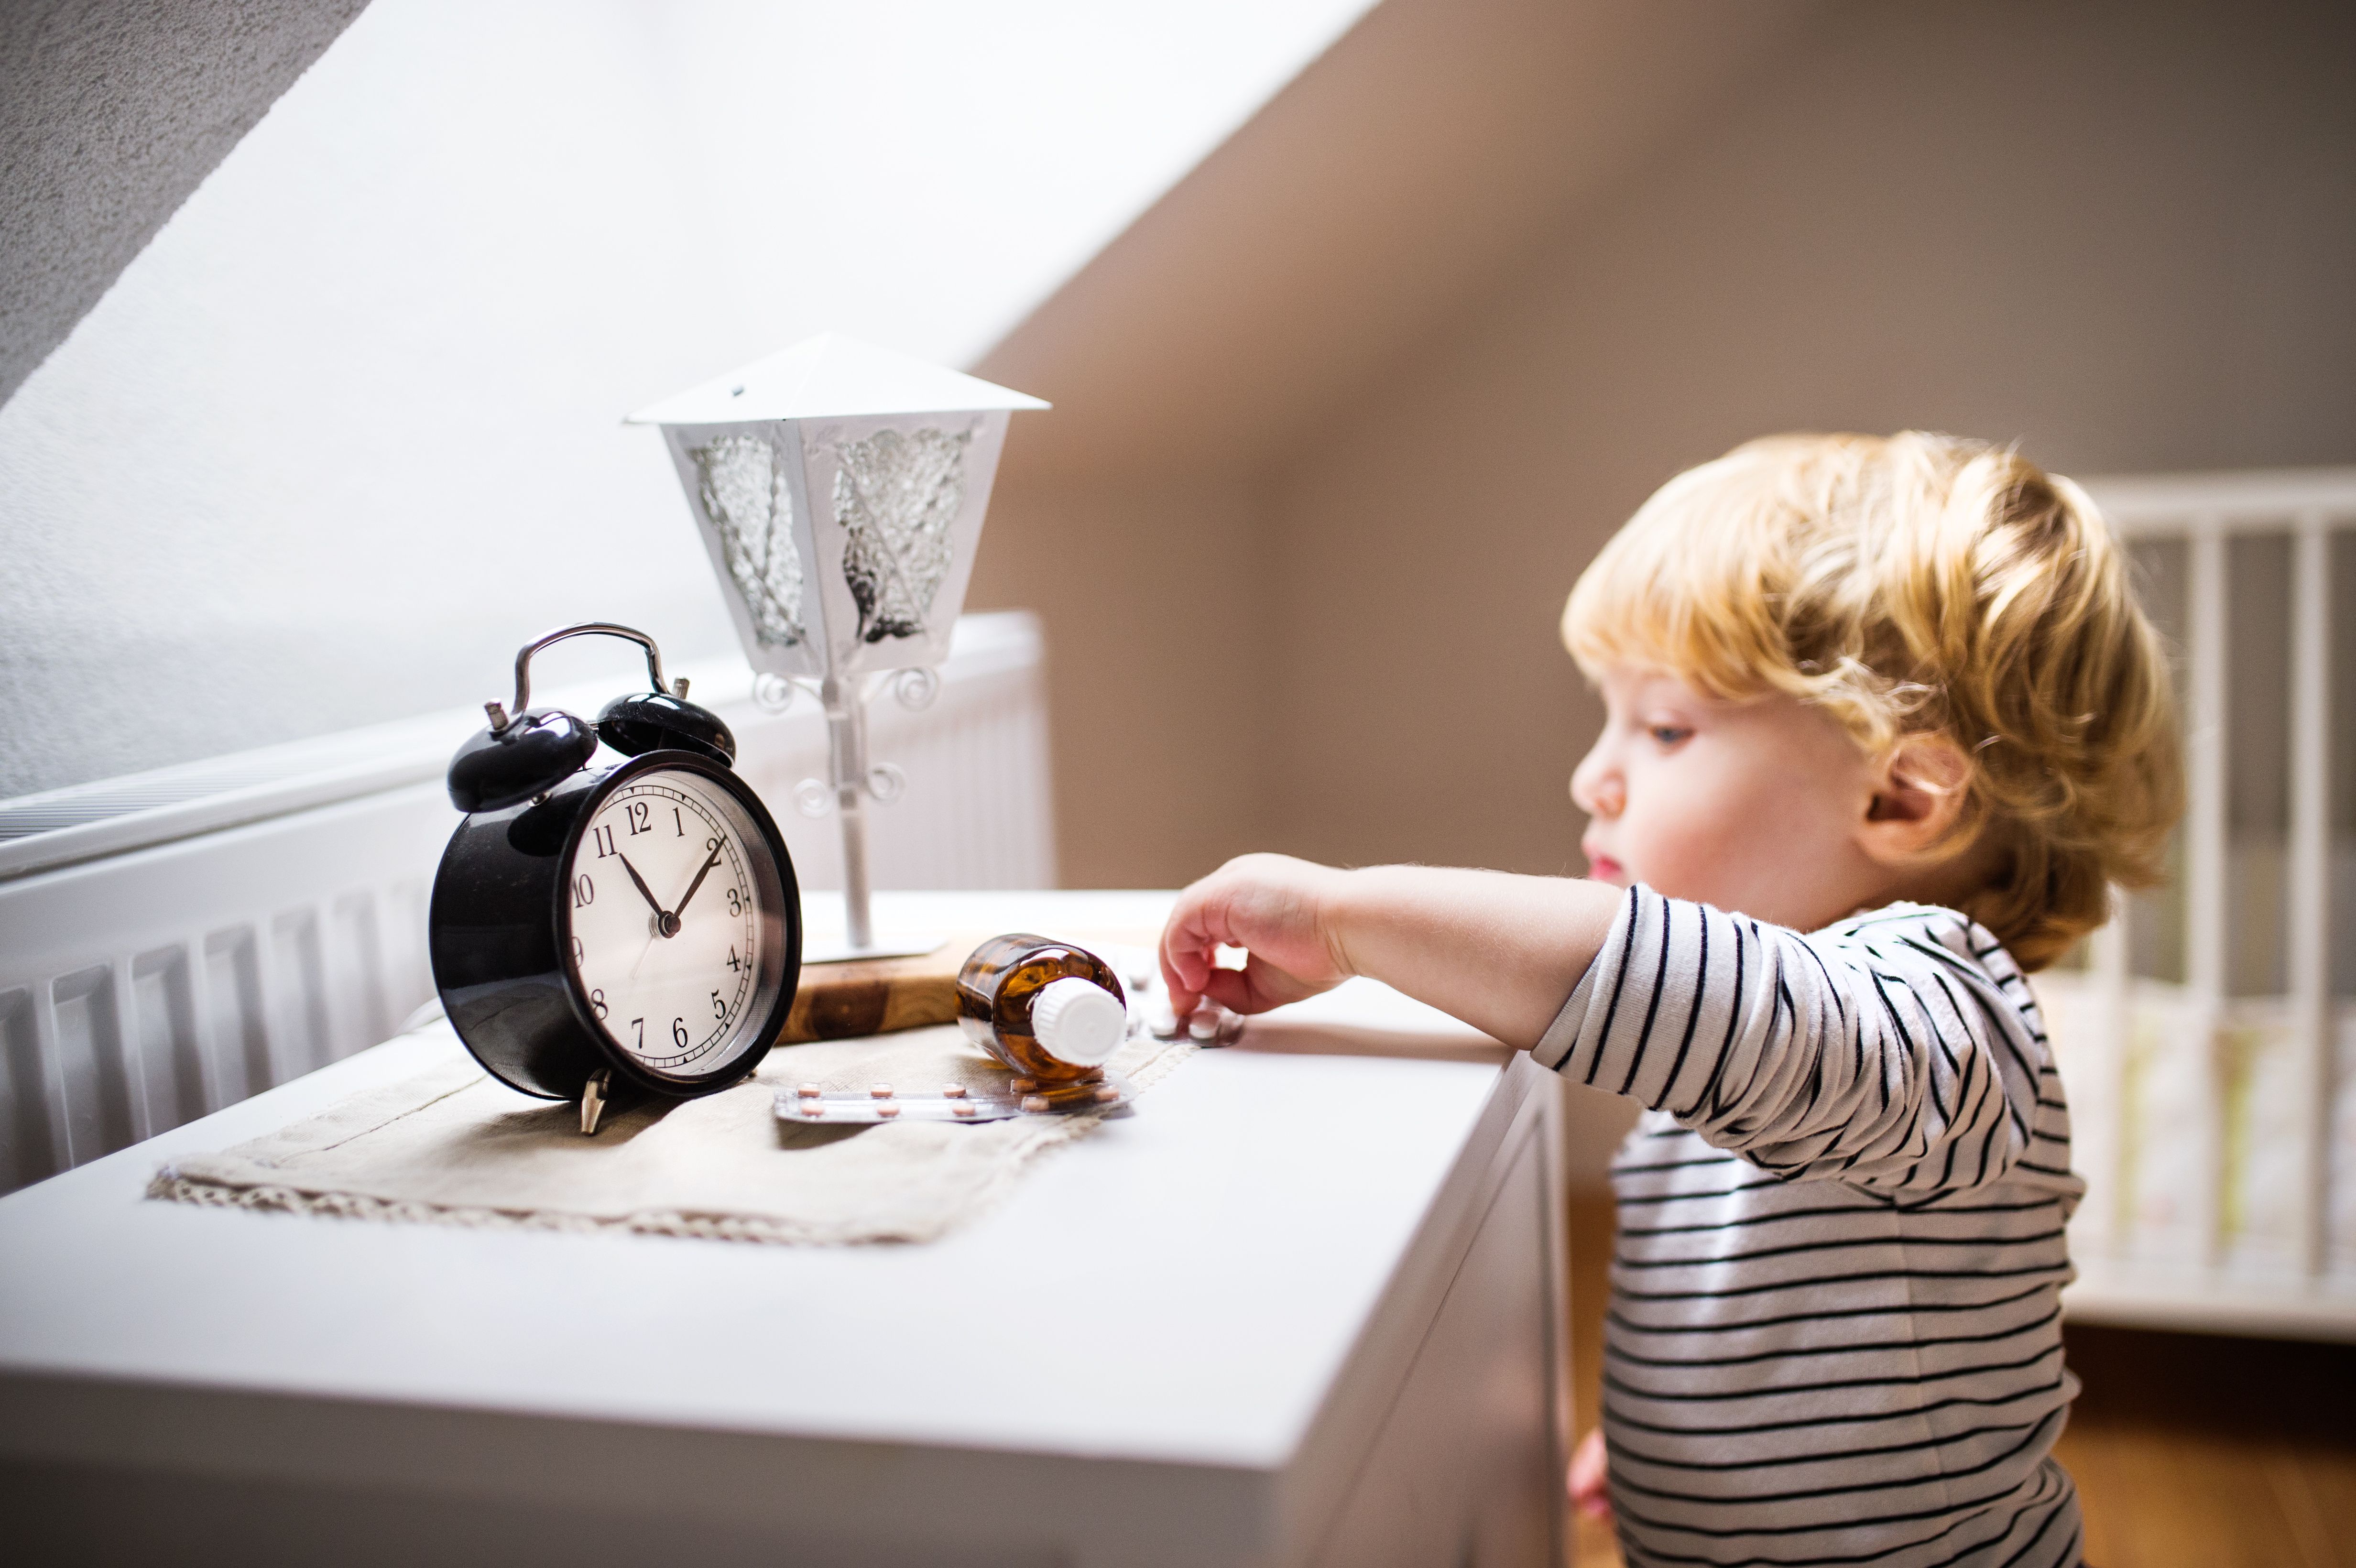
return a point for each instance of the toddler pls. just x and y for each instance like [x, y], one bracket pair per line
[1884, 722]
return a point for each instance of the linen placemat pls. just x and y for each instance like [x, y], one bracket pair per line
[452, 1146]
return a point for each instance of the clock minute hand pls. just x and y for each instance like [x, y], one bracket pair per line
[701, 872]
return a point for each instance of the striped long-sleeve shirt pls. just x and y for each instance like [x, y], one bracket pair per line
[1835, 1334]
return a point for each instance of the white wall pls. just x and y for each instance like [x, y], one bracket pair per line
[347, 431]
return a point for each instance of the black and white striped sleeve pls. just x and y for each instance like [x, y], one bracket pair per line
[1897, 1049]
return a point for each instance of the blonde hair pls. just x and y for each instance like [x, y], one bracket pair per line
[1920, 585]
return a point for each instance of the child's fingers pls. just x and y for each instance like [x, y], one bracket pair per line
[1257, 903]
[1190, 967]
[1191, 936]
[1199, 922]
[1236, 990]
[1190, 978]
[1256, 986]
[1182, 1001]
[1252, 989]
[1188, 956]
[1590, 1478]
[1227, 987]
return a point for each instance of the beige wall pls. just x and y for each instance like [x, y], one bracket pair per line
[1155, 591]
[2124, 234]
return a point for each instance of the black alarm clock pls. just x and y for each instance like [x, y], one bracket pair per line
[616, 932]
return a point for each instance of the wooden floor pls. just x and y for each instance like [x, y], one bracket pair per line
[2188, 1451]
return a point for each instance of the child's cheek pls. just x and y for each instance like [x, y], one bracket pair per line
[1678, 840]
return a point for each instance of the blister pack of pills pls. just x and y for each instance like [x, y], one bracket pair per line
[811, 1105]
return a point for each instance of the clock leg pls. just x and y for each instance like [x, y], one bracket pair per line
[593, 1100]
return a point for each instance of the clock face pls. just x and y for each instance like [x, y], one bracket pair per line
[675, 935]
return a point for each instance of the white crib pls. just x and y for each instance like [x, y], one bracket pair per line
[2207, 1036]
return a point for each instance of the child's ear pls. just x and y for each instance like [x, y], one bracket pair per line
[1920, 790]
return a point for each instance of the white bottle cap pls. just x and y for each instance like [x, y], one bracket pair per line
[1078, 1021]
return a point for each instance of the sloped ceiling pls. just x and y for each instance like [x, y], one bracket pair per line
[1432, 148]
[110, 113]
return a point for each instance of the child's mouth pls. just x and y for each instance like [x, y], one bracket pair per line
[1602, 868]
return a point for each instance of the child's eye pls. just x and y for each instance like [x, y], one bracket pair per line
[1669, 734]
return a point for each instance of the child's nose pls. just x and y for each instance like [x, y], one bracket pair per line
[1596, 789]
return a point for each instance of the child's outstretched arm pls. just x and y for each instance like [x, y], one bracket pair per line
[1499, 952]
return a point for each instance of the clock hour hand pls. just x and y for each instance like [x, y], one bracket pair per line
[664, 922]
[701, 872]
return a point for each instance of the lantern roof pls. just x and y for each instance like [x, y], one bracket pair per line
[830, 375]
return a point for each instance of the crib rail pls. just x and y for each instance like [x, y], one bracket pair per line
[2258, 1120]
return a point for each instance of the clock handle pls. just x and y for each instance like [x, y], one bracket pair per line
[502, 718]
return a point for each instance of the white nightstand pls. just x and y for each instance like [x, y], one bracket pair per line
[1326, 1267]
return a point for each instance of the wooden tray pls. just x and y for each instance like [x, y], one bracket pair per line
[876, 996]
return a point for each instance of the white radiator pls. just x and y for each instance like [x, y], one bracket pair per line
[174, 941]
[2209, 1038]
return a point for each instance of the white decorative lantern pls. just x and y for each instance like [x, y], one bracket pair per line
[839, 488]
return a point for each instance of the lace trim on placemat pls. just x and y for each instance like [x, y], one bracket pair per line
[170, 1184]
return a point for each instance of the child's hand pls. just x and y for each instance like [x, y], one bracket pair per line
[1271, 905]
[1590, 1490]
[1499, 952]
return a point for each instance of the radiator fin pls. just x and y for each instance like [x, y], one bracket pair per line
[241, 1038]
[89, 1064]
[163, 1023]
[28, 1151]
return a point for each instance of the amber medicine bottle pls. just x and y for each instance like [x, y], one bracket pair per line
[1046, 1009]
